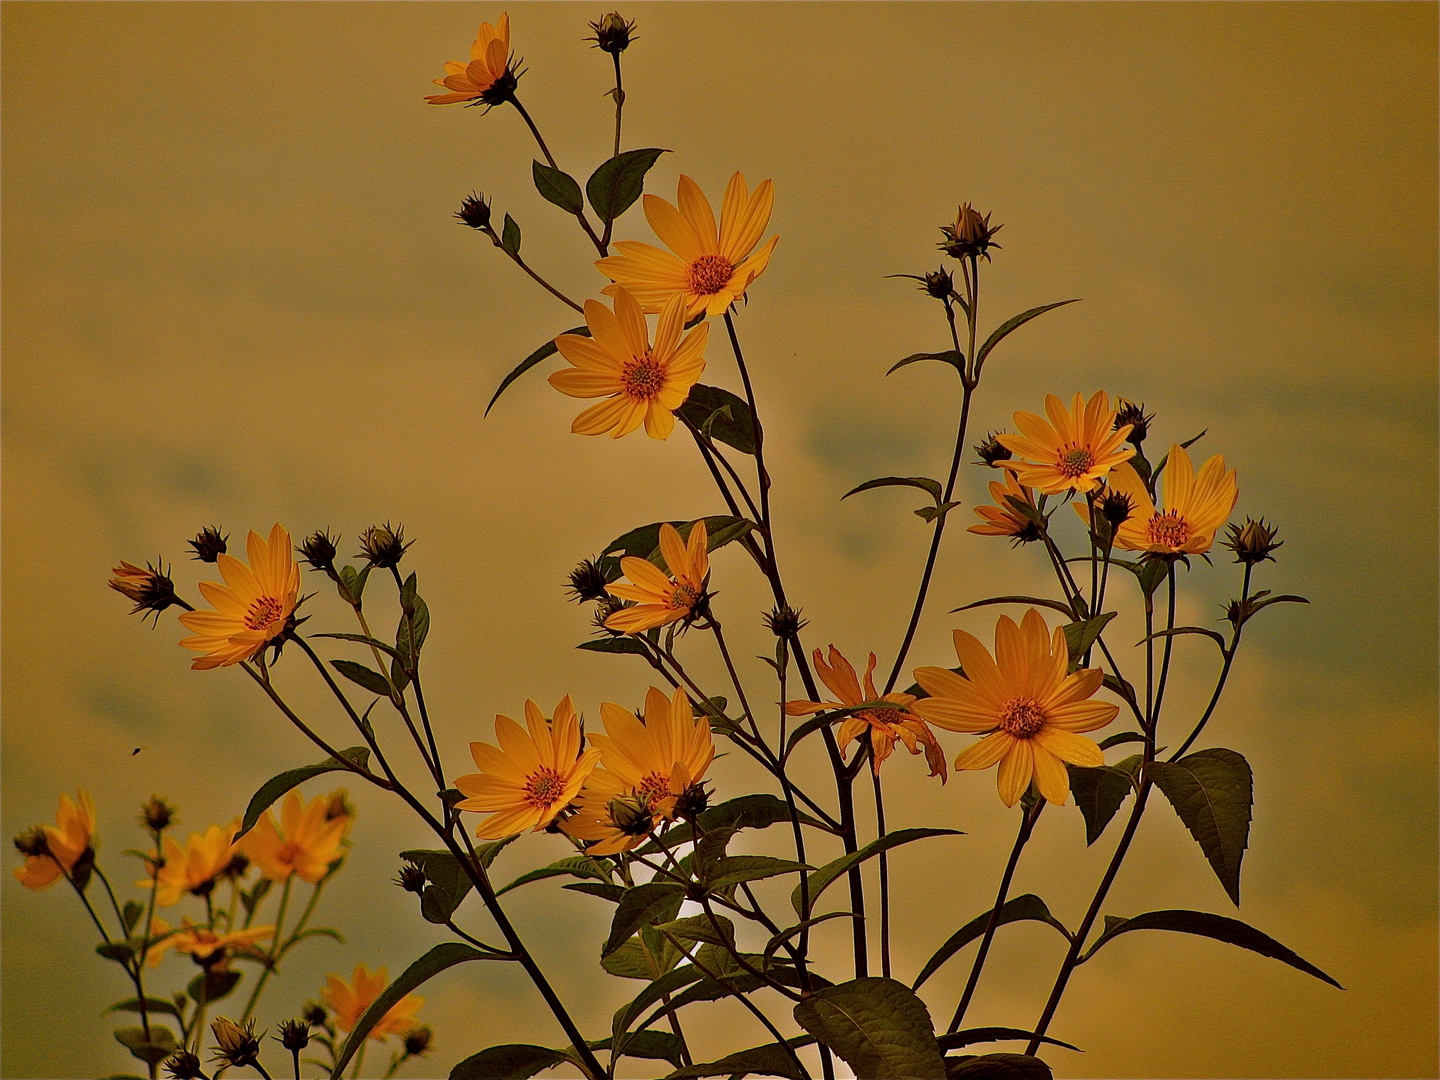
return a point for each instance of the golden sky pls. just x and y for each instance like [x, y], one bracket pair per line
[233, 293]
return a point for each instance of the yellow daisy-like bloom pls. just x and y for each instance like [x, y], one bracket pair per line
[348, 1001]
[194, 867]
[251, 608]
[306, 843]
[1195, 506]
[201, 942]
[526, 781]
[710, 269]
[886, 726]
[489, 64]
[640, 383]
[1023, 697]
[1003, 519]
[1075, 450]
[661, 598]
[649, 764]
[66, 842]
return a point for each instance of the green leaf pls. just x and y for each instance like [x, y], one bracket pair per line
[133, 910]
[1204, 924]
[363, 639]
[651, 1045]
[448, 883]
[580, 866]
[153, 1050]
[510, 237]
[1014, 323]
[878, 1026]
[604, 889]
[821, 879]
[273, 788]
[615, 185]
[547, 350]
[217, 983]
[1080, 636]
[644, 542]
[321, 931]
[557, 187]
[121, 951]
[352, 584]
[645, 956]
[1121, 737]
[700, 928]
[1021, 908]
[668, 983]
[413, 627]
[256, 894]
[1098, 793]
[513, 1061]
[1212, 791]
[487, 852]
[740, 868]
[154, 1005]
[625, 644]
[1054, 605]
[930, 513]
[969, 1036]
[357, 673]
[768, 1060]
[745, 812]
[997, 1067]
[431, 964]
[949, 356]
[720, 415]
[1179, 630]
[924, 483]
[644, 905]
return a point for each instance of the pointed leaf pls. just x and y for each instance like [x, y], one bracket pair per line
[720, 415]
[512, 1061]
[448, 884]
[924, 483]
[969, 1036]
[740, 868]
[1121, 737]
[949, 356]
[651, 1045]
[579, 866]
[1080, 636]
[768, 1060]
[1014, 323]
[154, 1005]
[878, 1026]
[557, 187]
[1212, 791]
[615, 185]
[1029, 906]
[361, 675]
[217, 983]
[544, 351]
[821, 879]
[510, 237]
[1098, 793]
[153, 1049]
[625, 644]
[273, 788]
[1054, 605]
[644, 905]
[997, 1067]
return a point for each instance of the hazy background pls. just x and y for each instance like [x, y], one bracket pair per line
[234, 294]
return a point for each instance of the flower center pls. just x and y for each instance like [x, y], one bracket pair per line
[652, 789]
[1169, 529]
[1022, 717]
[642, 378]
[287, 853]
[710, 273]
[543, 787]
[1073, 463]
[885, 717]
[263, 612]
[683, 596]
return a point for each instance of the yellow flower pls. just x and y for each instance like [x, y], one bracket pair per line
[649, 764]
[486, 75]
[194, 867]
[309, 843]
[885, 725]
[1075, 450]
[617, 363]
[1195, 506]
[1003, 519]
[201, 942]
[251, 608]
[64, 843]
[1023, 697]
[348, 1001]
[711, 270]
[531, 777]
[659, 598]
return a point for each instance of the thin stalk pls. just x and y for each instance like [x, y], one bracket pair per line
[1165, 659]
[520, 262]
[600, 246]
[1224, 674]
[420, 701]
[619, 104]
[359, 1060]
[276, 951]
[884, 872]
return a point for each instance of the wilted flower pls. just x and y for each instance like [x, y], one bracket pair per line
[150, 588]
[418, 1040]
[612, 33]
[1252, 542]
[970, 236]
[383, 546]
[208, 544]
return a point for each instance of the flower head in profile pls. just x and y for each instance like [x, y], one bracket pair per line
[645, 768]
[884, 725]
[490, 76]
[56, 849]
[640, 383]
[531, 777]
[662, 598]
[1029, 709]
[204, 944]
[150, 588]
[349, 1000]
[194, 868]
[252, 608]
[1073, 451]
[306, 842]
[1014, 513]
[970, 236]
[1195, 506]
[710, 268]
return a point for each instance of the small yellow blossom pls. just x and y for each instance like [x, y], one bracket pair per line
[489, 65]
[251, 608]
[194, 868]
[201, 942]
[661, 598]
[65, 842]
[348, 1001]
[306, 843]
[1004, 519]
[1074, 451]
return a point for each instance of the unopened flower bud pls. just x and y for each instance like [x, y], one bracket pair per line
[587, 582]
[383, 546]
[612, 33]
[784, 621]
[294, 1035]
[991, 451]
[32, 842]
[938, 283]
[631, 818]
[1252, 542]
[418, 1040]
[151, 588]
[1115, 507]
[971, 236]
[183, 1065]
[1139, 420]
[338, 805]
[692, 802]
[314, 1014]
[411, 878]
[209, 545]
[475, 212]
[237, 866]
[604, 608]
[157, 814]
[235, 1045]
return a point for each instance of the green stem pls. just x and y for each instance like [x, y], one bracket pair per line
[275, 950]
[600, 246]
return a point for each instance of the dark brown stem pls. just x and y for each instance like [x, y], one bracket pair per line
[580, 216]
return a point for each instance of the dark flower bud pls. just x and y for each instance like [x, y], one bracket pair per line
[475, 212]
[319, 551]
[604, 608]
[692, 802]
[151, 588]
[383, 546]
[503, 88]
[784, 622]
[1138, 419]
[183, 1065]
[209, 545]
[991, 450]
[971, 236]
[237, 866]
[631, 818]
[32, 842]
[339, 805]
[938, 283]
[412, 878]
[587, 582]
[157, 814]
[294, 1035]
[1252, 542]
[612, 33]
[235, 1045]
[418, 1040]
[1115, 507]
[314, 1014]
